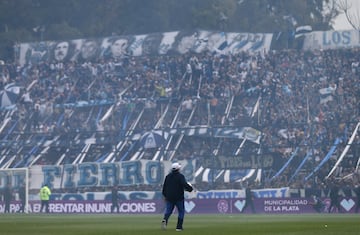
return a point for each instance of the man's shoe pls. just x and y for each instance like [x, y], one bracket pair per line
[179, 229]
[163, 224]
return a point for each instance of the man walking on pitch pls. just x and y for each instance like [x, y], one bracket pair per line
[173, 192]
[44, 197]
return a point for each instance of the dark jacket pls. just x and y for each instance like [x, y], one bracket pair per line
[22, 193]
[357, 192]
[114, 194]
[334, 193]
[249, 194]
[174, 186]
[7, 194]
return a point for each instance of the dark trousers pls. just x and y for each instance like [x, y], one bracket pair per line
[7, 206]
[357, 206]
[251, 204]
[44, 204]
[115, 205]
[334, 203]
[170, 207]
[180, 206]
[22, 206]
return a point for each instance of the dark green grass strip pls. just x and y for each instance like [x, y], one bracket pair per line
[52, 224]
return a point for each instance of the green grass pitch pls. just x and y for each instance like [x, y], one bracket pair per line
[109, 224]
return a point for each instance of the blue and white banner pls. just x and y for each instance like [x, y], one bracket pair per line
[177, 42]
[248, 161]
[247, 133]
[119, 47]
[331, 40]
[91, 174]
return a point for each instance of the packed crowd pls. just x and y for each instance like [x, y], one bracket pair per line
[303, 100]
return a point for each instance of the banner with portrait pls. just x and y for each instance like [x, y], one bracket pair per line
[123, 46]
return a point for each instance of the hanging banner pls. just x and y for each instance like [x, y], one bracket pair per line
[331, 40]
[124, 46]
[91, 174]
[248, 161]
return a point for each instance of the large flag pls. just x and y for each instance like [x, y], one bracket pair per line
[256, 107]
[302, 30]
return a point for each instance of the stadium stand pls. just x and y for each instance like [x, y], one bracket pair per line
[305, 104]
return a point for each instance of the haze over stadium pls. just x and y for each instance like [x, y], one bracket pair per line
[264, 103]
[341, 22]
